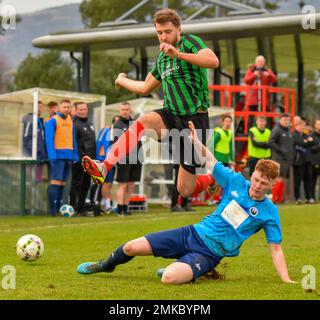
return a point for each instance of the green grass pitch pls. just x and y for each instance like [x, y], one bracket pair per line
[69, 242]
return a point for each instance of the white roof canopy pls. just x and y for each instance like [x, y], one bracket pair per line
[209, 29]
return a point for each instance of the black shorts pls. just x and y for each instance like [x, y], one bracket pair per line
[185, 156]
[128, 172]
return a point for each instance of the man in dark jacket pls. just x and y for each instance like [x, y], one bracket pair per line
[302, 163]
[281, 143]
[86, 142]
[315, 158]
[129, 168]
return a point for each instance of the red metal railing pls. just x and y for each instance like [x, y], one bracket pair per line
[228, 100]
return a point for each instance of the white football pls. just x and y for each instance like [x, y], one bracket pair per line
[66, 210]
[29, 247]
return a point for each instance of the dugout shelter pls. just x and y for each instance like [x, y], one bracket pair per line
[23, 179]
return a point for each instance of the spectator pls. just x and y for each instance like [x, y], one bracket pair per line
[86, 143]
[73, 111]
[315, 159]
[296, 120]
[281, 143]
[52, 109]
[103, 145]
[258, 74]
[302, 163]
[222, 143]
[27, 121]
[258, 147]
[62, 151]
[127, 173]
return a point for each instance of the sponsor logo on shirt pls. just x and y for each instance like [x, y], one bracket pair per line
[235, 194]
[169, 71]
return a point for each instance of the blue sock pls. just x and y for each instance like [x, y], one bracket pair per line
[117, 257]
[59, 198]
[53, 197]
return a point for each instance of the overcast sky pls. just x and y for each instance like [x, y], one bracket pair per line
[26, 6]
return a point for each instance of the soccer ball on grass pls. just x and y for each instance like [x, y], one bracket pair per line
[67, 211]
[29, 247]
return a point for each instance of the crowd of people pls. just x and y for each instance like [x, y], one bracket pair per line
[67, 135]
[62, 140]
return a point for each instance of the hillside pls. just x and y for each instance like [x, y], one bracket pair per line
[16, 44]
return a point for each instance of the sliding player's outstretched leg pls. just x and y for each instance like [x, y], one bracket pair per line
[123, 254]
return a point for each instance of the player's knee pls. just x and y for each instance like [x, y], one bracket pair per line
[169, 277]
[129, 249]
[184, 191]
[144, 120]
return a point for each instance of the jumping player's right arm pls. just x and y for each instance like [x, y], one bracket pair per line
[203, 152]
[140, 87]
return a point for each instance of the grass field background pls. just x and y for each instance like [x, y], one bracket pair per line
[69, 242]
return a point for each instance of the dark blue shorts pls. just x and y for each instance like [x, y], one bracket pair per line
[110, 176]
[60, 169]
[185, 245]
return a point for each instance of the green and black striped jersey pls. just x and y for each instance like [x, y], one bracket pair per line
[185, 86]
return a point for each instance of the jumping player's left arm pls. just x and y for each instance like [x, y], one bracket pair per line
[205, 58]
[279, 262]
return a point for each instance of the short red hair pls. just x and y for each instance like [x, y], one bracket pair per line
[268, 168]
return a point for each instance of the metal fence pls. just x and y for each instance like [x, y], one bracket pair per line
[23, 187]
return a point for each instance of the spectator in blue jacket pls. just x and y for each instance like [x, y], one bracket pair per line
[27, 121]
[41, 154]
[62, 151]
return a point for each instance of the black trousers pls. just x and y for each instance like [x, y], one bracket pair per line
[80, 185]
[175, 194]
[302, 173]
[315, 173]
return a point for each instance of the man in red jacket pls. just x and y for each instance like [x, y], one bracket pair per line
[258, 74]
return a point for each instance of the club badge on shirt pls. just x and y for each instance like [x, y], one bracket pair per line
[254, 211]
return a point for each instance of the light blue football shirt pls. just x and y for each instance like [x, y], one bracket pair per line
[238, 216]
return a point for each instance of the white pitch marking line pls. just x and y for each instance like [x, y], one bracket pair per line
[85, 224]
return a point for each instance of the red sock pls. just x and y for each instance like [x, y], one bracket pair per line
[282, 191]
[203, 182]
[124, 145]
[217, 197]
[276, 191]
